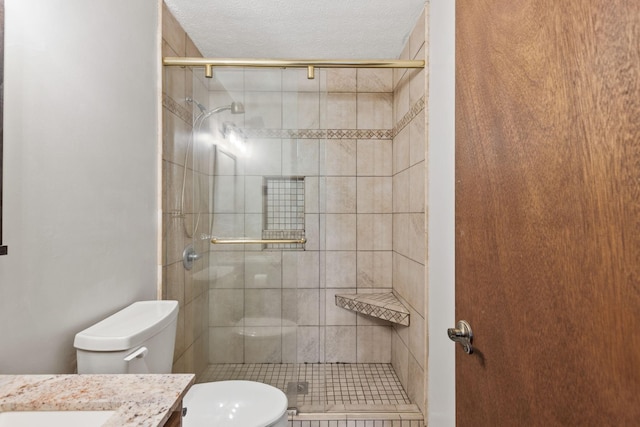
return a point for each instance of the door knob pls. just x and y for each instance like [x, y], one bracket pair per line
[463, 334]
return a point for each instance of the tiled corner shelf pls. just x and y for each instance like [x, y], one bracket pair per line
[381, 305]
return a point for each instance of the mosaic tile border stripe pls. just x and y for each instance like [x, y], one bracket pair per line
[413, 112]
[340, 133]
[184, 114]
[285, 133]
[319, 133]
[177, 109]
[359, 134]
[381, 305]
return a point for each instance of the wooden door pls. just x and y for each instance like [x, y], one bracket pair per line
[548, 212]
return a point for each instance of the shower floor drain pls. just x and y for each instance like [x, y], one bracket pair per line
[299, 387]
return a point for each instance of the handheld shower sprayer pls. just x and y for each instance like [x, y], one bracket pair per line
[235, 108]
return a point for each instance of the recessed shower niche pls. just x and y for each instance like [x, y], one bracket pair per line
[283, 211]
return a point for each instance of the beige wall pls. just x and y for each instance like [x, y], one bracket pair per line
[409, 220]
[184, 221]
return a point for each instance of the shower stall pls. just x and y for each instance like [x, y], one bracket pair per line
[287, 217]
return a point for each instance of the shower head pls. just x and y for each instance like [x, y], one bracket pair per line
[234, 107]
[237, 108]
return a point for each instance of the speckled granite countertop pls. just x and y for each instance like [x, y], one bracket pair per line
[139, 400]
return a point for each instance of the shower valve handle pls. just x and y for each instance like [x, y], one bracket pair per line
[192, 256]
[189, 255]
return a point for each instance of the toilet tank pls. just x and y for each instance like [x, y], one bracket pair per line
[138, 339]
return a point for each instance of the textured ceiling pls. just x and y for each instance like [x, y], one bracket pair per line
[306, 29]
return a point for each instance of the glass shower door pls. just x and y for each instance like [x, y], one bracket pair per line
[265, 299]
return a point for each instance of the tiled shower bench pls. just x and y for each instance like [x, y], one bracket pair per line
[381, 305]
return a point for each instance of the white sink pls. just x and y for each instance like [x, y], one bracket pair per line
[54, 418]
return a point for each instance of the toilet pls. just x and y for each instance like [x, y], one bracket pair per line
[140, 339]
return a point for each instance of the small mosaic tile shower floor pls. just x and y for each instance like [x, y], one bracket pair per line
[329, 384]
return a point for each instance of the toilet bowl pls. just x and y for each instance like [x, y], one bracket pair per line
[234, 403]
[140, 339]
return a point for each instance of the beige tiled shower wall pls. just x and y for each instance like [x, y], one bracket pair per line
[264, 304]
[348, 217]
[184, 218]
[358, 210]
[408, 354]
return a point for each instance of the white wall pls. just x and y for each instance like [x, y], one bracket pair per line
[441, 215]
[81, 184]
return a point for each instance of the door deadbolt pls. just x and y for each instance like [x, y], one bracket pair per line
[462, 334]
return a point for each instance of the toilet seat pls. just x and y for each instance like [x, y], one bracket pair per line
[234, 404]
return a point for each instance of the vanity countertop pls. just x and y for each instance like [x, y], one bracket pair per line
[139, 400]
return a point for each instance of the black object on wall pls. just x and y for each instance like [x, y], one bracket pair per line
[3, 249]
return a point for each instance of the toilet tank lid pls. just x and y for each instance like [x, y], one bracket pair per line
[129, 327]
